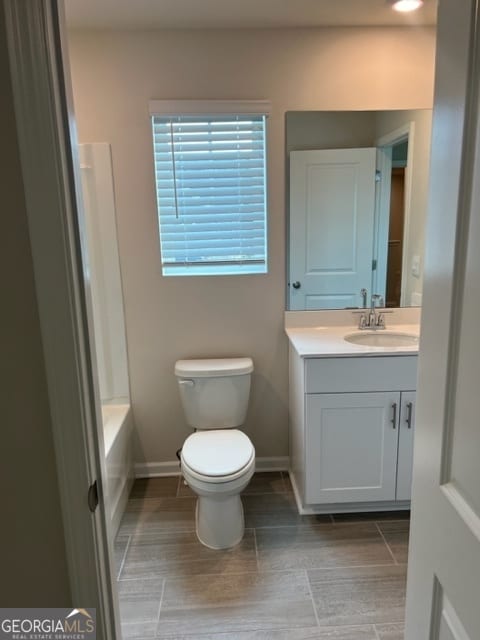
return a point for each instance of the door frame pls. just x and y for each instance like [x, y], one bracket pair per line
[43, 109]
[384, 145]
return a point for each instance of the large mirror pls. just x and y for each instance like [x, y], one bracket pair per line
[357, 192]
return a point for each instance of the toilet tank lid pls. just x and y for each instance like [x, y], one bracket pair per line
[213, 367]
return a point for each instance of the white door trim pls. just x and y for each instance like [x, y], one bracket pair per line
[43, 103]
[397, 135]
[406, 131]
[382, 220]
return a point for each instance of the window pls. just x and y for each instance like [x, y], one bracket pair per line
[210, 172]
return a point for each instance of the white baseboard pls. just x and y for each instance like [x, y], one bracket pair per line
[159, 469]
[156, 469]
[280, 463]
[296, 494]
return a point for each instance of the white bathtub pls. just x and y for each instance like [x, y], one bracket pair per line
[118, 430]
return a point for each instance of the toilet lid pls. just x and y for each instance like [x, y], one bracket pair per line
[213, 367]
[216, 453]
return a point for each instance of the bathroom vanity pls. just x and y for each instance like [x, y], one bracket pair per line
[352, 413]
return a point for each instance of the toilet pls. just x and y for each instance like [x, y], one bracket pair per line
[218, 460]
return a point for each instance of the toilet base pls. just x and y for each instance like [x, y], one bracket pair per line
[219, 521]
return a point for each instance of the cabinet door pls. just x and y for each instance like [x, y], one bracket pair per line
[405, 445]
[351, 447]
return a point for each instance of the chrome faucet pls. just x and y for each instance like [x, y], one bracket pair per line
[364, 293]
[373, 320]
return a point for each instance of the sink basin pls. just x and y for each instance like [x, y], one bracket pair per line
[382, 339]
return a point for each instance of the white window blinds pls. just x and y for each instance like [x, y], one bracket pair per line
[211, 193]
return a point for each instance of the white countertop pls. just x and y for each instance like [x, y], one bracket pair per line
[327, 341]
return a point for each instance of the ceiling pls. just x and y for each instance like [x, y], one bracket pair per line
[196, 14]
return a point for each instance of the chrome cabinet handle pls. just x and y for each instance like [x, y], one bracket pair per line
[394, 416]
[408, 419]
[296, 285]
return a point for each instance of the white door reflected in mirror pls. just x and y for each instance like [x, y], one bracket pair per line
[356, 225]
[332, 195]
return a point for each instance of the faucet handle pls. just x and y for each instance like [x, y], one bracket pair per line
[381, 319]
[362, 321]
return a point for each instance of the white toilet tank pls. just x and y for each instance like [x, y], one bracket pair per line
[214, 392]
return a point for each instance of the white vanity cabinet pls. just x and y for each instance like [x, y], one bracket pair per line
[351, 431]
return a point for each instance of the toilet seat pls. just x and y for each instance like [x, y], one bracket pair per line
[218, 481]
[217, 456]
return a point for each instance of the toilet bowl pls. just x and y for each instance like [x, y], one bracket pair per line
[218, 483]
[218, 460]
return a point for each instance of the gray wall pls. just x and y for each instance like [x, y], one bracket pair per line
[115, 74]
[33, 570]
[310, 130]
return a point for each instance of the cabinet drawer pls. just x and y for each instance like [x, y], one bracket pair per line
[377, 373]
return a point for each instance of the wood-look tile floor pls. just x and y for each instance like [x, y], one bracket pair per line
[291, 578]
